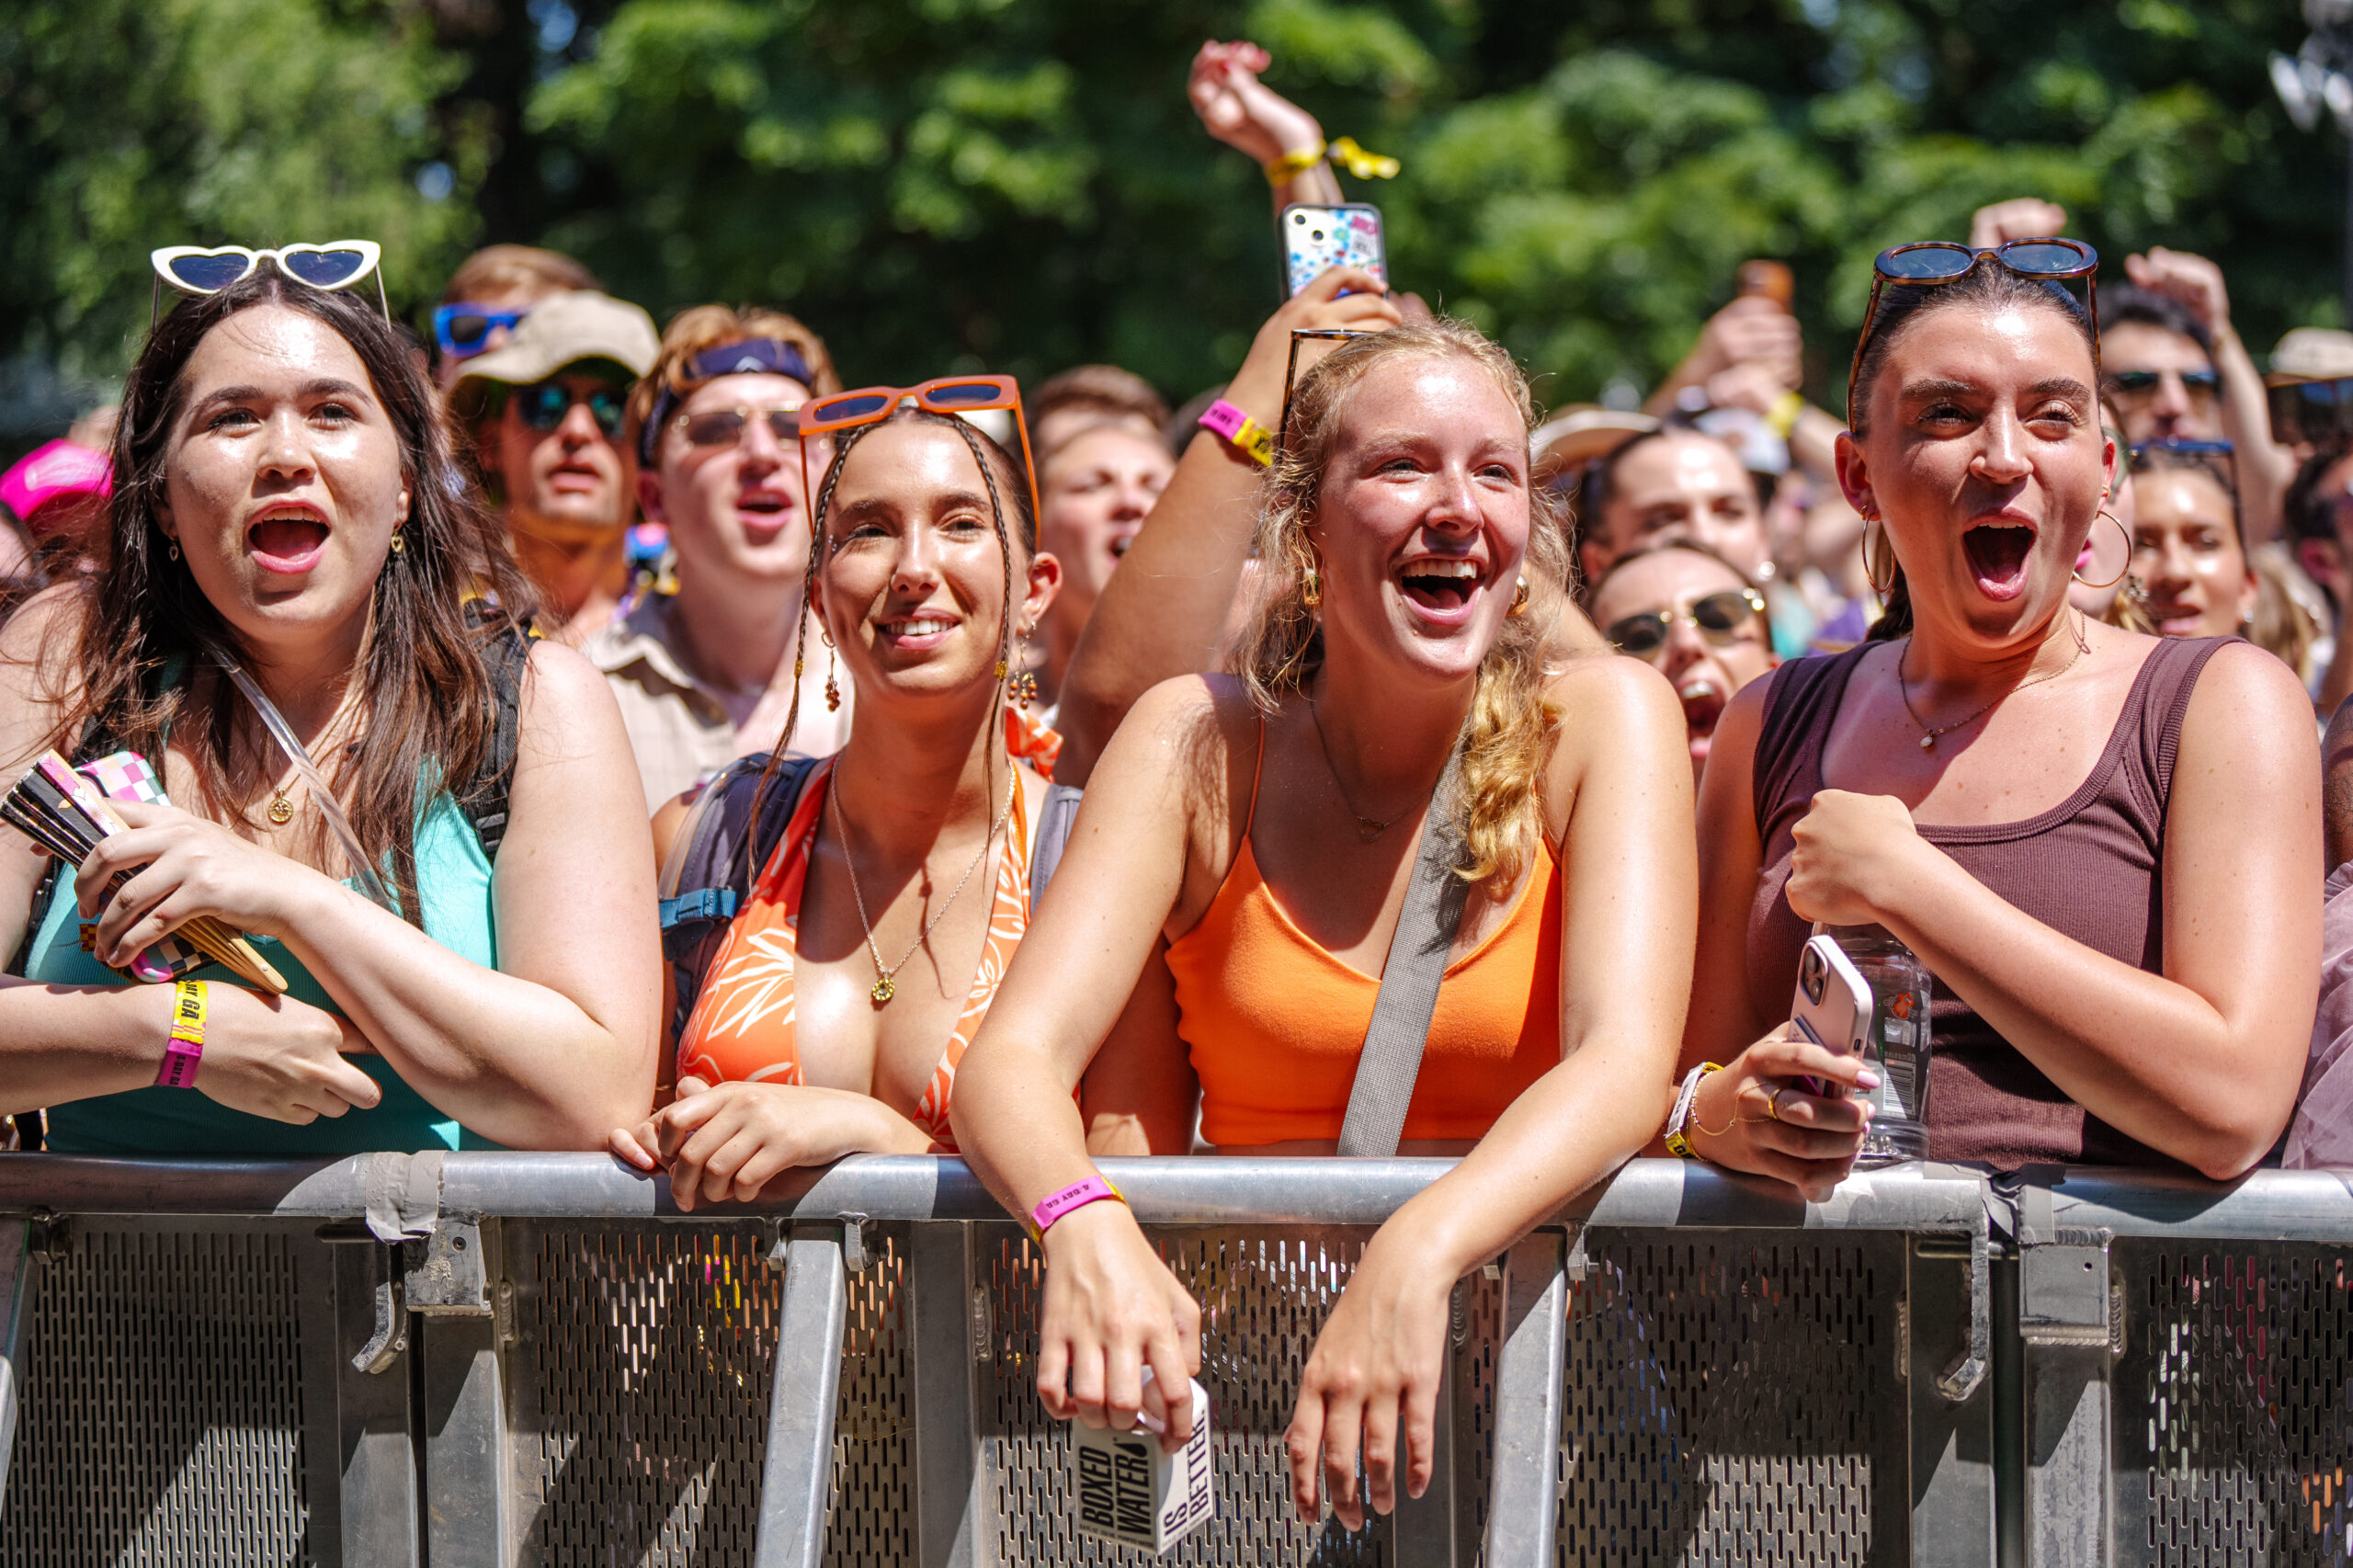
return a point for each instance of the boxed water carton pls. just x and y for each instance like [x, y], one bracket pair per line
[1132, 1491]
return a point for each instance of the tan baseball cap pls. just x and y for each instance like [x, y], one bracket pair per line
[564, 329]
[2312, 354]
[1582, 433]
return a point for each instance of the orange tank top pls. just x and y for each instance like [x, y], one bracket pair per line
[742, 1027]
[1274, 1023]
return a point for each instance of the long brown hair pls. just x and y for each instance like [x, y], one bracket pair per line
[1508, 734]
[427, 709]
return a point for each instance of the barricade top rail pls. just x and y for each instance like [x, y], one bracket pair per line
[402, 1193]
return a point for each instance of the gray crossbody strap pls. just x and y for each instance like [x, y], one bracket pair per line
[1409, 982]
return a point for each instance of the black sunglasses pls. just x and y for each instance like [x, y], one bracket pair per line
[2136, 384]
[1941, 261]
[544, 403]
[1723, 618]
[2315, 412]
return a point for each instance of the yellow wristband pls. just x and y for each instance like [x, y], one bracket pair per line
[1361, 163]
[1291, 166]
[1783, 417]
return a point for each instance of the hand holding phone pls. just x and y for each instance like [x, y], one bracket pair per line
[1317, 239]
[1833, 1004]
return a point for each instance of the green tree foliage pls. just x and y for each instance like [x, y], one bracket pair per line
[947, 184]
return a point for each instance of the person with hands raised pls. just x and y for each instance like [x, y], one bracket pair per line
[1163, 613]
[288, 510]
[2099, 843]
[1239, 870]
[1283, 139]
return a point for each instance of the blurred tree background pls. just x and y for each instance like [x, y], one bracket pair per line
[1019, 184]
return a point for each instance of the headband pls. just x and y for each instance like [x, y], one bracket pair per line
[754, 357]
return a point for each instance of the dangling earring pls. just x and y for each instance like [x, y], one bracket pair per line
[1873, 525]
[172, 548]
[400, 542]
[1023, 691]
[2112, 518]
[1310, 588]
[833, 688]
[1519, 595]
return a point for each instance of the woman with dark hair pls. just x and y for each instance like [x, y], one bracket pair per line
[2101, 844]
[828, 1013]
[292, 548]
[1241, 865]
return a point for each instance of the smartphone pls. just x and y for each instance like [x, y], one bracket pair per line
[1833, 1004]
[1769, 279]
[1317, 239]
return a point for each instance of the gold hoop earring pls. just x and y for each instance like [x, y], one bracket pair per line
[1871, 567]
[1519, 595]
[2112, 518]
[1310, 588]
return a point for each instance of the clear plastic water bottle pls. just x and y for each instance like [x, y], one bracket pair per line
[1900, 1042]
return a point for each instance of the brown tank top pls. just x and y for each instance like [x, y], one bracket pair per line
[2091, 867]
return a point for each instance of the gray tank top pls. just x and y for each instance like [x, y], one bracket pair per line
[2091, 867]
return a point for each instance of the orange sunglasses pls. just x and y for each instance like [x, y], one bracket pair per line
[945, 395]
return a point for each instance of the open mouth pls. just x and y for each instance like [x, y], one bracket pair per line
[1440, 585]
[1997, 553]
[915, 633]
[2172, 618]
[763, 515]
[1703, 704]
[287, 541]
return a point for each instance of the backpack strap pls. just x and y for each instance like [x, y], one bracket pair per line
[485, 799]
[708, 874]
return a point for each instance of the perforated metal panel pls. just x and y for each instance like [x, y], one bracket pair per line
[1734, 1401]
[639, 1387]
[2234, 1402]
[163, 1417]
[1263, 1294]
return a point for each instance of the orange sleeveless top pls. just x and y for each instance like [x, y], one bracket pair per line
[1274, 1024]
[742, 1027]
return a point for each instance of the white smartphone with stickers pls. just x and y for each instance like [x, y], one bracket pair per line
[1317, 239]
[1833, 1004]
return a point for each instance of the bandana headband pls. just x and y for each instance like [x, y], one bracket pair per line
[754, 357]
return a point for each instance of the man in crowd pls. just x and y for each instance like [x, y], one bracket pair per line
[1674, 483]
[491, 291]
[546, 411]
[1087, 395]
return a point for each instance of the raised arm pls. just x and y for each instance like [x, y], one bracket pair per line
[2264, 469]
[1256, 121]
[1164, 612]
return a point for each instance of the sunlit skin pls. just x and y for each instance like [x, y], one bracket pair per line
[1706, 674]
[1429, 469]
[911, 586]
[289, 472]
[283, 481]
[569, 482]
[1682, 485]
[2186, 550]
[1983, 455]
[2169, 411]
[1098, 489]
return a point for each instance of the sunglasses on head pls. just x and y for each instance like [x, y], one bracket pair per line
[462, 331]
[1930, 262]
[725, 427]
[2315, 412]
[945, 395]
[1723, 618]
[1290, 372]
[543, 405]
[193, 270]
[2132, 386]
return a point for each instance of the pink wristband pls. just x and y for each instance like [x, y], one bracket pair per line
[1069, 1200]
[184, 1049]
[1222, 418]
[1240, 431]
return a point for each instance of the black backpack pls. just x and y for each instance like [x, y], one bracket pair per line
[720, 849]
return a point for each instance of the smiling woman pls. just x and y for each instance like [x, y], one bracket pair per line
[287, 508]
[2101, 842]
[827, 1016]
[1217, 934]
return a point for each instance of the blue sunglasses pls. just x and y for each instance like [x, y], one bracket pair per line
[464, 330]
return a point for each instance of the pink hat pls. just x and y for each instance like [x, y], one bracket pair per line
[46, 474]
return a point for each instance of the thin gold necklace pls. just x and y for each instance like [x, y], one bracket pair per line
[1929, 734]
[1368, 828]
[883, 987]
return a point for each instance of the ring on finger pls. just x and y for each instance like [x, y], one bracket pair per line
[1773, 1102]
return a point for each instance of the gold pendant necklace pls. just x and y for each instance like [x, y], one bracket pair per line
[884, 987]
[1928, 734]
[281, 810]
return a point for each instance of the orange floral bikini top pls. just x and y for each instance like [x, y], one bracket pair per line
[742, 1026]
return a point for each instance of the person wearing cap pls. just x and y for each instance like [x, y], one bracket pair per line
[702, 666]
[546, 411]
[492, 291]
[55, 498]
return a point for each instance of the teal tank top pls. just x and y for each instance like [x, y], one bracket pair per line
[455, 887]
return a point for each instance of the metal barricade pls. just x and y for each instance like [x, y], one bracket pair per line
[522, 1358]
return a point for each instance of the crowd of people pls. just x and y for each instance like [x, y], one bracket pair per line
[626, 738]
